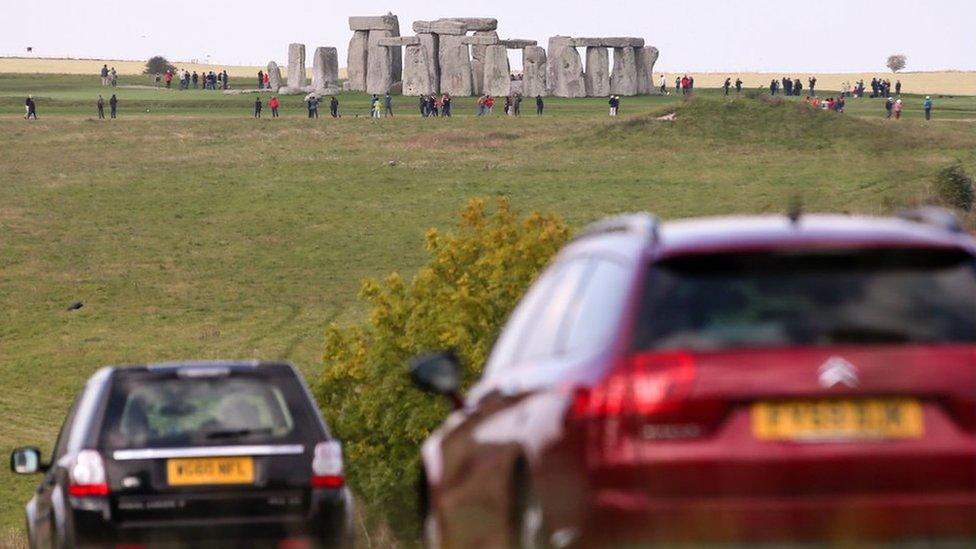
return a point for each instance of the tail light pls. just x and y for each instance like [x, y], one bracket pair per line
[87, 475]
[327, 466]
[646, 384]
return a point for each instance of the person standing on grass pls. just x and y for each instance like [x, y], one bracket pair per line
[273, 104]
[812, 81]
[168, 77]
[613, 106]
[257, 107]
[540, 105]
[260, 79]
[334, 107]
[388, 105]
[196, 79]
[226, 81]
[664, 86]
[31, 107]
[927, 105]
[727, 85]
[313, 105]
[897, 87]
[100, 105]
[113, 75]
[104, 74]
[738, 85]
[377, 107]
[518, 104]
[889, 107]
[490, 104]
[898, 107]
[446, 105]
[267, 80]
[113, 105]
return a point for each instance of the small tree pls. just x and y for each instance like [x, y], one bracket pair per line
[158, 65]
[897, 62]
[459, 299]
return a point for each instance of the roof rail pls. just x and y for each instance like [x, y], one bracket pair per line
[940, 218]
[643, 224]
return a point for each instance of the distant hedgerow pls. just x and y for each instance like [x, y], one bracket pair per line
[458, 300]
[954, 187]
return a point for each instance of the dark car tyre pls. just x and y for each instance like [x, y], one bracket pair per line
[528, 525]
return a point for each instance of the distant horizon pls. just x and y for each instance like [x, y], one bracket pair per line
[657, 69]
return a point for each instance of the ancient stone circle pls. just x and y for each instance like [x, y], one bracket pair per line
[464, 56]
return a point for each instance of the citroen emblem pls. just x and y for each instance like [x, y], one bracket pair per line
[837, 371]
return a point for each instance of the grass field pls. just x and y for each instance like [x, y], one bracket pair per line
[195, 231]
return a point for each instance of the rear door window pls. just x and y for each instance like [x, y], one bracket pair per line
[150, 410]
[888, 296]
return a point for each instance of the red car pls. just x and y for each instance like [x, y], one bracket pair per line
[732, 379]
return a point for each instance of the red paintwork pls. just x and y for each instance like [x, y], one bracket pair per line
[606, 480]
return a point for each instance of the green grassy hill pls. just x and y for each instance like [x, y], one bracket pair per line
[198, 232]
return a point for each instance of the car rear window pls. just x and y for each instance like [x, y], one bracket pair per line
[148, 409]
[889, 296]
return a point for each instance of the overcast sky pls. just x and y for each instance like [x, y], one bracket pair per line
[693, 35]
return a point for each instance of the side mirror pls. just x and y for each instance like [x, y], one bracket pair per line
[26, 461]
[438, 373]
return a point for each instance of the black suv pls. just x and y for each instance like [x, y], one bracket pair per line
[205, 454]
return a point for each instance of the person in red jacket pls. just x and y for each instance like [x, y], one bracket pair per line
[169, 78]
[267, 81]
[274, 104]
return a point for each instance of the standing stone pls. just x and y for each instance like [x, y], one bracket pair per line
[597, 75]
[478, 63]
[357, 61]
[274, 76]
[455, 64]
[534, 71]
[296, 66]
[417, 72]
[397, 52]
[646, 57]
[325, 70]
[564, 69]
[379, 71]
[430, 43]
[623, 81]
[498, 74]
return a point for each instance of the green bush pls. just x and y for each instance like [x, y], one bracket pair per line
[954, 187]
[458, 300]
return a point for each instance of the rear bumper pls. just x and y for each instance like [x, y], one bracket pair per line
[328, 523]
[619, 516]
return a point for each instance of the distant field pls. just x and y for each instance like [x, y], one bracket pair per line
[196, 231]
[938, 82]
[921, 83]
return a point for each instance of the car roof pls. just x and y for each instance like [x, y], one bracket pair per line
[202, 366]
[640, 235]
[719, 234]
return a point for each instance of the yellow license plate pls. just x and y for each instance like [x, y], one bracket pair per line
[224, 470]
[853, 419]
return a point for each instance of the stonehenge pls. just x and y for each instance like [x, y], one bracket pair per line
[623, 79]
[325, 71]
[464, 55]
[534, 71]
[646, 57]
[296, 69]
[274, 76]
[356, 61]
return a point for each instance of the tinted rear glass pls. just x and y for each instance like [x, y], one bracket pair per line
[146, 409]
[895, 296]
